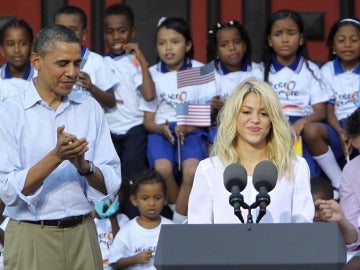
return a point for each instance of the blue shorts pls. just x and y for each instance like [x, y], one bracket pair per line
[212, 134]
[335, 145]
[160, 147]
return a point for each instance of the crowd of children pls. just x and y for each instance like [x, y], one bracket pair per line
[158, 157]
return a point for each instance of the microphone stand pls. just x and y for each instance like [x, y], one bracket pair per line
[237, 201]
[262, 200]
[249, 219]
[249, 216]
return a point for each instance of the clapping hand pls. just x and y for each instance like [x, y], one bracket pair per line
[69, 147]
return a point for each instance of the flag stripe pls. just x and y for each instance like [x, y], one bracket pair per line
[197, 115]
[193, 76]
[195, 80]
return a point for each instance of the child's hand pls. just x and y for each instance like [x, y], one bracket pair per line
[328, 210]
[132, 47]
[217, 103]
[85, 80]
[298, 126]
[144, 257]
[107, 208]
[167, 133]
[181, 132]
[345, 143]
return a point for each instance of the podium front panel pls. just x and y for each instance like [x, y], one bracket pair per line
[310, 246]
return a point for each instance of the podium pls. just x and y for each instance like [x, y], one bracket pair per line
[294, 246]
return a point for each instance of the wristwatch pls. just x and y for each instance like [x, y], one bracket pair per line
[91, 169]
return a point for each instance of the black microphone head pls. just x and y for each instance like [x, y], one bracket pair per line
[265, 175]
[235, 175]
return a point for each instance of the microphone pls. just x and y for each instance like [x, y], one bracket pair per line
[264, 180]
[235, 180]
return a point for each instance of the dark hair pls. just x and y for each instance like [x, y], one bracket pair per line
[333, 30]
[352, 124]
[15, 23]
[48, 36]
[269, 51]
[179, 25]
[146, 177]
[212, 40]
[121, 9]
[323, 186]
[72, 10]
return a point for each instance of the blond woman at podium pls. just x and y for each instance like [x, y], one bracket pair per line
[252, 128]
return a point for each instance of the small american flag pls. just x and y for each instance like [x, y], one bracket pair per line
[195, 76]
[199, 85]
[196, 115]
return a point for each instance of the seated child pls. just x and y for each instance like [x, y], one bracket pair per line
[327, 209]
[108, 222]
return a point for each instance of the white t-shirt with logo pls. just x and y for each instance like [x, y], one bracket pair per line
[298, 90]
[105, 236]
[133, 239]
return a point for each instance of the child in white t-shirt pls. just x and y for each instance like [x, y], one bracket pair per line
[16, 39]
[229, 47]
[133, 82]
[134, 246]
[171, 147]
[296, 80]
[341, 76]
[108, 222]
[95, 77]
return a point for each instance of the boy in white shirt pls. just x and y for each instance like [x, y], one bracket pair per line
[95, 77]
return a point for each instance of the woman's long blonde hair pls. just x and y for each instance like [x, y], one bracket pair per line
[279, 140]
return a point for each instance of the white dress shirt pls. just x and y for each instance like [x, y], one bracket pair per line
[28, 132]
[291, 199]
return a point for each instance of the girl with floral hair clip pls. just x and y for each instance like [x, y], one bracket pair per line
[171, 146]
[229, 46]
[341, 76]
